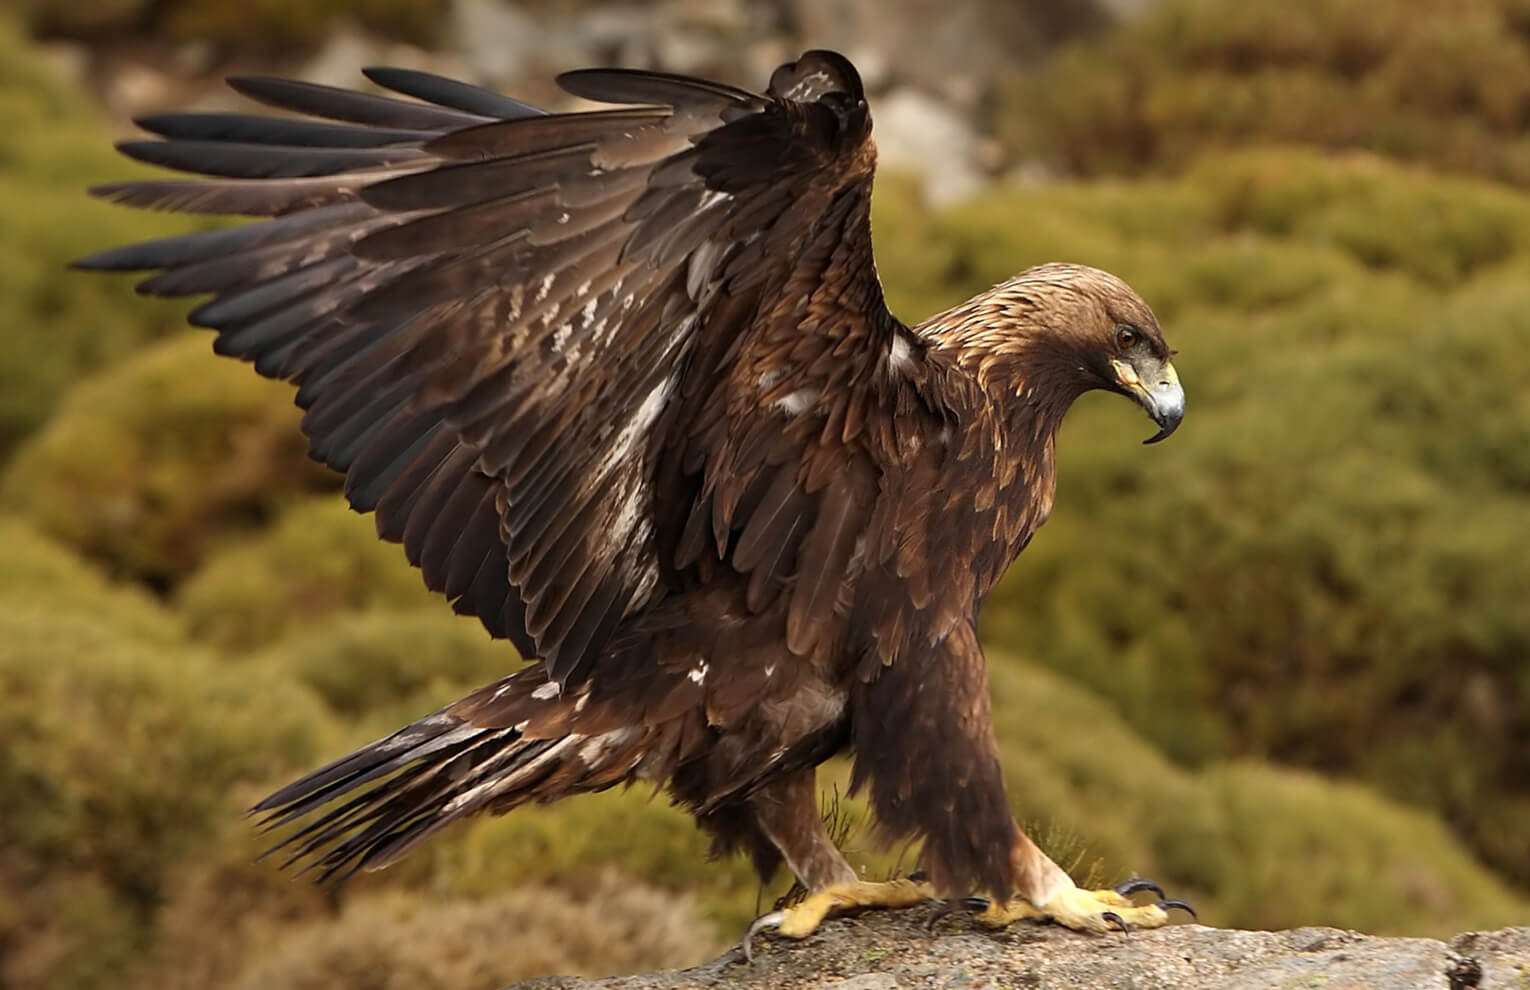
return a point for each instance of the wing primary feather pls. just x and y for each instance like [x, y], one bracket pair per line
[256, 129]
[635, 86]
[463, 183]
[396, 505]
[339, 448]
[228, 159]
[596, 620]
[244, 197]
[502, 138]
[218, 273]
[383, 461]
[452, 228]
[441, 539]
[337, 428]
[345, 354]
[333, 103]
[431, 497]
[478, 542]
[170, 252]
[451, 93]
[265, 296]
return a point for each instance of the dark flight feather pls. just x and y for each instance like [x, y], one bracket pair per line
[256, 129]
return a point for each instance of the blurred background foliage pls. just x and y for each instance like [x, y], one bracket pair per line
[1281, 664]
[1442, 82]
[269, 26]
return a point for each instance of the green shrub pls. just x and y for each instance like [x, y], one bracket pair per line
[385, 941]
[61, 324]
[1443, 82]
[119, 758]
[222, 907]
[1365, 863]
[1226, 838]
[388, 668]
[318, 558]
[147, 466]
[567, 845]
[37, 569]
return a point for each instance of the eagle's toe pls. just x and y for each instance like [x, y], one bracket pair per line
[803, 919]
[1096, 911]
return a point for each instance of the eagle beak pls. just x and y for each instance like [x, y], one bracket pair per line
[1164, 398]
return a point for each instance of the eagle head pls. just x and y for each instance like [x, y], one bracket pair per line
[1056, 331]
[1119, 343]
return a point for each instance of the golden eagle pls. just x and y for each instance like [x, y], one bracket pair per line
[624, 386]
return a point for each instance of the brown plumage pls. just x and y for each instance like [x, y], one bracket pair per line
[624, 386]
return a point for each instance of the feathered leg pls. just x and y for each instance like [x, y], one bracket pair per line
[910, 714]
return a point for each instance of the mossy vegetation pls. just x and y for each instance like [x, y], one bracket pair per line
[41, 571]
[386, 667]
[1229, 834]
[318, 558]
[119, 758]
[59, 326]
[395, 940]
[1443, 82]
[1323, 570]
[150, 464]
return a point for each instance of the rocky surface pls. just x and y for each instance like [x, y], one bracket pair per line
[896, 950]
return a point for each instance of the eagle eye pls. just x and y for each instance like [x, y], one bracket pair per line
[1126, 338]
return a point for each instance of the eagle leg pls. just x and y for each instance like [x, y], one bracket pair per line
[786, 811]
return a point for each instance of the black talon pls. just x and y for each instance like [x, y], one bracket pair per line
[946, 908]
[918, 876]
[942, 910]
[1136, 884]
[1112, 916]
[1171, 904]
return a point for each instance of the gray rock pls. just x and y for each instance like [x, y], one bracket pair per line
[1503, 958]
[918, 133]
[894, 950]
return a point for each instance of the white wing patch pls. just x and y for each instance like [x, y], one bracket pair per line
[898, 354]
[596, 746]
[798, 402]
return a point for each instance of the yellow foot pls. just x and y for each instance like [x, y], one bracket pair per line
[802, 920]
[1096, 911]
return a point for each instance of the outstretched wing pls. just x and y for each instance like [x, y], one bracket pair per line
[556, 353]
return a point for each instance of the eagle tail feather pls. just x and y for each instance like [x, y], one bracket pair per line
[368, 809]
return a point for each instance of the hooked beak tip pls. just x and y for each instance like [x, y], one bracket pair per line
[1166, 404]
[1164, 400]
